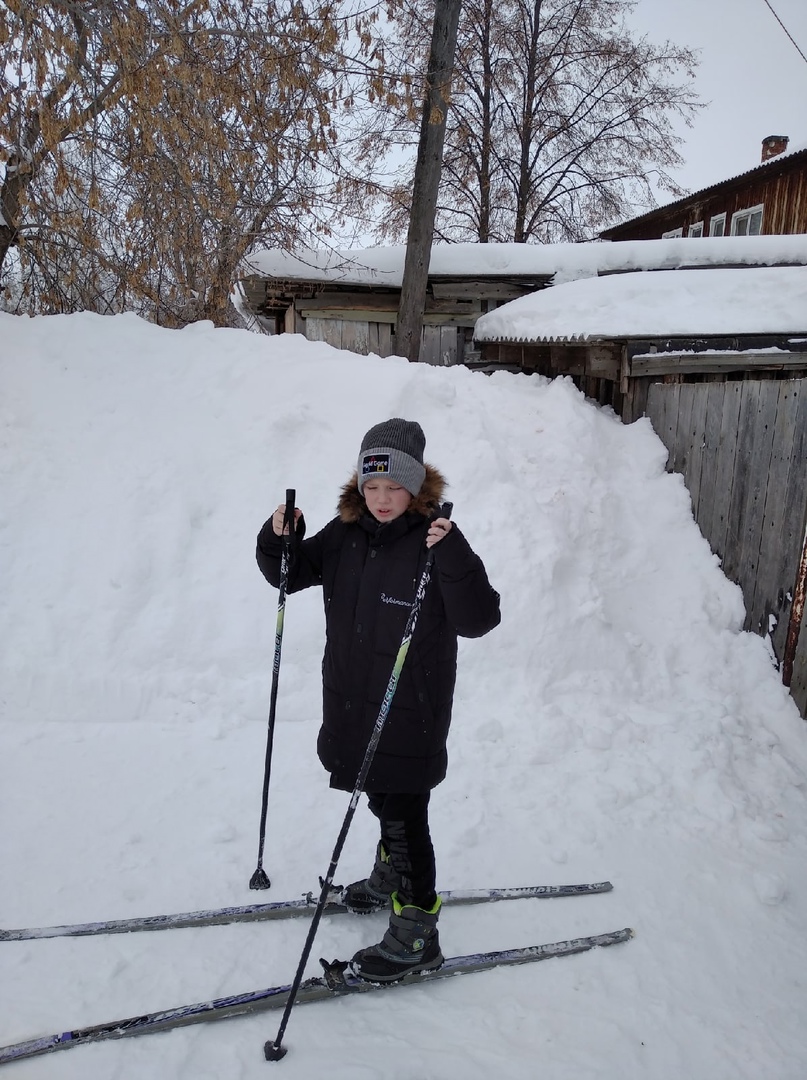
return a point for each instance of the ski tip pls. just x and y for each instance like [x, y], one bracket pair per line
[274, 1051]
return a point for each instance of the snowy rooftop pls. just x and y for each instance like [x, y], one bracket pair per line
[384, 265]
[764, 300]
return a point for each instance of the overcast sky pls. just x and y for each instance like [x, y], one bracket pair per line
[750, 72]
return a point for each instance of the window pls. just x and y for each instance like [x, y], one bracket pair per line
[747, 222]
[696, 229]
[672, 233]
[717, 226]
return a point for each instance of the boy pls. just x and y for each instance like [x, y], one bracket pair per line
[369, 560]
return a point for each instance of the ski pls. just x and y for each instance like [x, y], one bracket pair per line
[336, 981]
[285, 909]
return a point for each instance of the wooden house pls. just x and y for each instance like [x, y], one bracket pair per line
[770, 199]
[350, 299]
[717, 360]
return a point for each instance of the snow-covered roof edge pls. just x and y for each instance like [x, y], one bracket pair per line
[750, 301]
[383, 266]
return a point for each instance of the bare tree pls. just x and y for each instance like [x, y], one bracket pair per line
[561, 121]
[149, 145]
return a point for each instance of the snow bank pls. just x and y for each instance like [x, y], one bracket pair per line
[618, 724]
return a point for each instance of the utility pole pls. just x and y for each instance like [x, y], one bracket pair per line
[427, 178]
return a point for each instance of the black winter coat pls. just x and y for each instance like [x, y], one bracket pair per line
[369, 573]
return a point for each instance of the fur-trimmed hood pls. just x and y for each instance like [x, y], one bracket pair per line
[352, 506]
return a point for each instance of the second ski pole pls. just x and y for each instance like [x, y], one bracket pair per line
[259, 880]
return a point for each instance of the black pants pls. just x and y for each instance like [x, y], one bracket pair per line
[405, 835]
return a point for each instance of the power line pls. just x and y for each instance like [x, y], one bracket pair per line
[798, 49]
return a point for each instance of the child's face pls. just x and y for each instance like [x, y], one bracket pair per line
[385, 499]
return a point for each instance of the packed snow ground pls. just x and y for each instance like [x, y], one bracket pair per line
[617, 725]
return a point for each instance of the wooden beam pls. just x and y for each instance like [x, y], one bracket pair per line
[483, 290]
[365, 301]
[603, 361]
[346, 314]
[337, 301]
[714, 362]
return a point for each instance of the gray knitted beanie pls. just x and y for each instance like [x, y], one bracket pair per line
[394, 451]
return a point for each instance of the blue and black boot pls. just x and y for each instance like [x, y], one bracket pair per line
[411, 944]
[373, 893]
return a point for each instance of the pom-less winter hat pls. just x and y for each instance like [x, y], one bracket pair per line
[394, 451]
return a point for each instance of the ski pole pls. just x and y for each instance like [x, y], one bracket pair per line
[273, 1050]
[259, 880]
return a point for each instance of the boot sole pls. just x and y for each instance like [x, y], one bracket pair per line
[367, 910]
[414, 969]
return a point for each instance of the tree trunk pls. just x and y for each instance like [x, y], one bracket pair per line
[427, 178]
[527, 133]
[487, 125]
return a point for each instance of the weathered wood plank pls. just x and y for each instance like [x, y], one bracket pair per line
[449, 345]
[362, 344]
[793, 519]
[373, 345]
[385, 340]
[481, 290]
[345, 301]
[656, 411]
[715, 392]
[330, 330]
[741, 480]
[694, 363]
[724, 468]
[346, 314]
[681, 447]
[798, 682]
[342, 304]
[430, 345]
[672, 394]
[696, 442]
[798, 678]
[769, 591]
[603, 361]
[348, 335]
[767, 394]
[314, 329]
[632, 404]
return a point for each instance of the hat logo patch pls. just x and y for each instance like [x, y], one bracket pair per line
[375, 464]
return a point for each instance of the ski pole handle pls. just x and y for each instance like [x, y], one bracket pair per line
[288, 514]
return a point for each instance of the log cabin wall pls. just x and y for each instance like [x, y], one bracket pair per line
[779, 188]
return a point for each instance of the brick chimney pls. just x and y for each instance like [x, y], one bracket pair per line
[773, 146]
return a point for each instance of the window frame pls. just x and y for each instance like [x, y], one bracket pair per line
[714, 220]
[673, 234]
[747, 214]
[695, 225]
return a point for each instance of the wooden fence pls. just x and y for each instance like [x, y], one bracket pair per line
[741, 446]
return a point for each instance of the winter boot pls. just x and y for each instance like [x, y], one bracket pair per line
[410, 944]
[372, 893]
